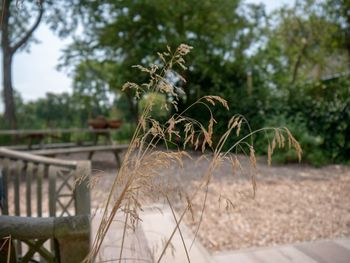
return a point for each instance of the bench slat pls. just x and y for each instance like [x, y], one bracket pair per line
[52, 192]
[42, 171]
[18, 172]
[29, 175]
[5, 175]
[96, 148]
[49, 146]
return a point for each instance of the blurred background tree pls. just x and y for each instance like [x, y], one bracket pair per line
[289, 67]
[120, 34]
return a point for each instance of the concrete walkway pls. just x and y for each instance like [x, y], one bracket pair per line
[149, 239]
[332, 251]
[146, 243]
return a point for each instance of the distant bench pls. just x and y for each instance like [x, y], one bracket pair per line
[49, 146]
[115, 149]
[41, 135]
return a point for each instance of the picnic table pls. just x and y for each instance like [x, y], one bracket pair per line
[41, 135]
[54, 149]
[115, 149]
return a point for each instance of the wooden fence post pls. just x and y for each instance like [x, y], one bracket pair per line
[73, 248]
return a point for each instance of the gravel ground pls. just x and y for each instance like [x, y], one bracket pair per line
[283, 211]
[293, 203]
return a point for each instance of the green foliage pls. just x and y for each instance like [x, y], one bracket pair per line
[124, 133]
[56, 111]
[116, 40]
[122, 109]
[318, 114]
[298, 49]
[304, 65]
[158, 100]
[311, 143]
[325, 106]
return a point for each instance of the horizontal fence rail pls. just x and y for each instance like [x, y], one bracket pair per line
[27, 157]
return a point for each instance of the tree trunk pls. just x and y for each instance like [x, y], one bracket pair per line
[7, 54]
[8, 50]
[298, 63]
[10, 115]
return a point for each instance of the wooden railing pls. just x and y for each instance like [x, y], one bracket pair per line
[37, 187]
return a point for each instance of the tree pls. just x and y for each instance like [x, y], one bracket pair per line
[338, 12]
[303, 44]
[305, 63]
[19, 21]
[14, 35]
[120, 34]
[89, 87]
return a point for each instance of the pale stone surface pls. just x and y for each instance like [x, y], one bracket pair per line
[158, 227]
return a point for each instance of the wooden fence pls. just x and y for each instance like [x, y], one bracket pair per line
[45, 204]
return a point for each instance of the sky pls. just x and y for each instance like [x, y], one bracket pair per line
[35, 73]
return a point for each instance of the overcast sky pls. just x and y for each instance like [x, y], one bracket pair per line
[35, 73]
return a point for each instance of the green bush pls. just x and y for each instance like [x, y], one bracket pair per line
[313, 153]
[124, 133]
[325, 107]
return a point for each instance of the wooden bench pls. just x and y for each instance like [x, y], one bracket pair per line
[49, 146]
[115, 149]
[41, 135]
[61, 231]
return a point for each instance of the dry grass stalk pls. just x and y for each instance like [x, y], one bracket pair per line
[140, 173]
[6, 246]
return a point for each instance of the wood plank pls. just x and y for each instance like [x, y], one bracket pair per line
[52, 191]
[54, 131]
[43, 170]
[73, 248]
[28, 157]
[82, 191]
[28, 176]
[16, 185]
[49, 146]
[18, 172]
[5, 175]
[46, 227]
[325, 251]
[96, 148]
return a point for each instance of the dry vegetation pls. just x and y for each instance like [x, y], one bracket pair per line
[142, 172]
